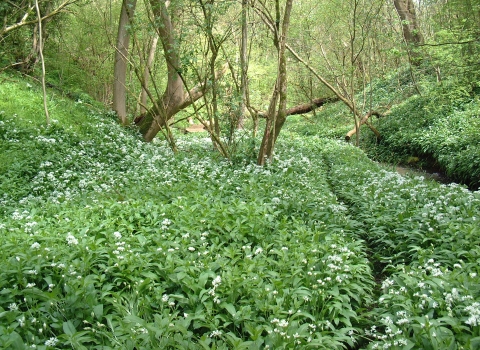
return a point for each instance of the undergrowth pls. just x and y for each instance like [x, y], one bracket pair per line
[438, 129]
[113, 243]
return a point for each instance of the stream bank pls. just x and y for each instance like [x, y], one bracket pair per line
[432, 174]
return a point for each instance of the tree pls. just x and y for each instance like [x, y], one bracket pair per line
[174, 97]
[39, 17]
[147, 73]
[243, 65]
[411, 32]
[121, 59]
[23, 14]
[339, 55]
[22, 11]
[276, 117]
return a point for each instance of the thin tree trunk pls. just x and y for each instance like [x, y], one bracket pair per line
[272, 132]
[243, 66]
[262, 154]
[364, 120]
[121, 60]
[47, 116]
[146, 75]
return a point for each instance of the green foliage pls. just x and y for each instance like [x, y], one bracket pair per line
[428, 305]
[427, 236]
[439, 128]
[110, 242]
[79, 51]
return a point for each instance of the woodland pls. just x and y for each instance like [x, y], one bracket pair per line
[240, 174]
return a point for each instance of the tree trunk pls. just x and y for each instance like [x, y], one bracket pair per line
[243, 66]
[121, 60]
[174, 98]
[305, 107]
[411, 32]
[272, 130]
[262, 154]
[169, 103]
[146, 76]
[364, 120]
[44, 89]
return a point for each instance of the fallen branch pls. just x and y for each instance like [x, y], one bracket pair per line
[305, 107]
[364, 120]
[308, 107]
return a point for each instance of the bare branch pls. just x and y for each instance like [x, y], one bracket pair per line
[24, 22]
[452, 43]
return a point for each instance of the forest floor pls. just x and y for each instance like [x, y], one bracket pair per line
[110, 242]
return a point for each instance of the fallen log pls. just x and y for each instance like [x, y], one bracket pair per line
[304, 107]
[308, 107]
[195, 128]
[364, 120]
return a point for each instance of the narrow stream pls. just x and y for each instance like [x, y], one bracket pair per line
[426, 173]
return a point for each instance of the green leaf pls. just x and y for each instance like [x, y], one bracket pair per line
[98, 311]
[475, 343]
[69, 328]
[142, 240]
[230, 308]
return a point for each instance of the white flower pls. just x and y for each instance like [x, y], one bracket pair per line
[51, 342]
[216, 281]
[13, 307]
[474, 311]
[387, 283]
[387, 320]
[117, 235]
[276, 200]
[35, 245]
[258, 251]
[71, 240]
[165, 298]
[192, 249]
[216, 333]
